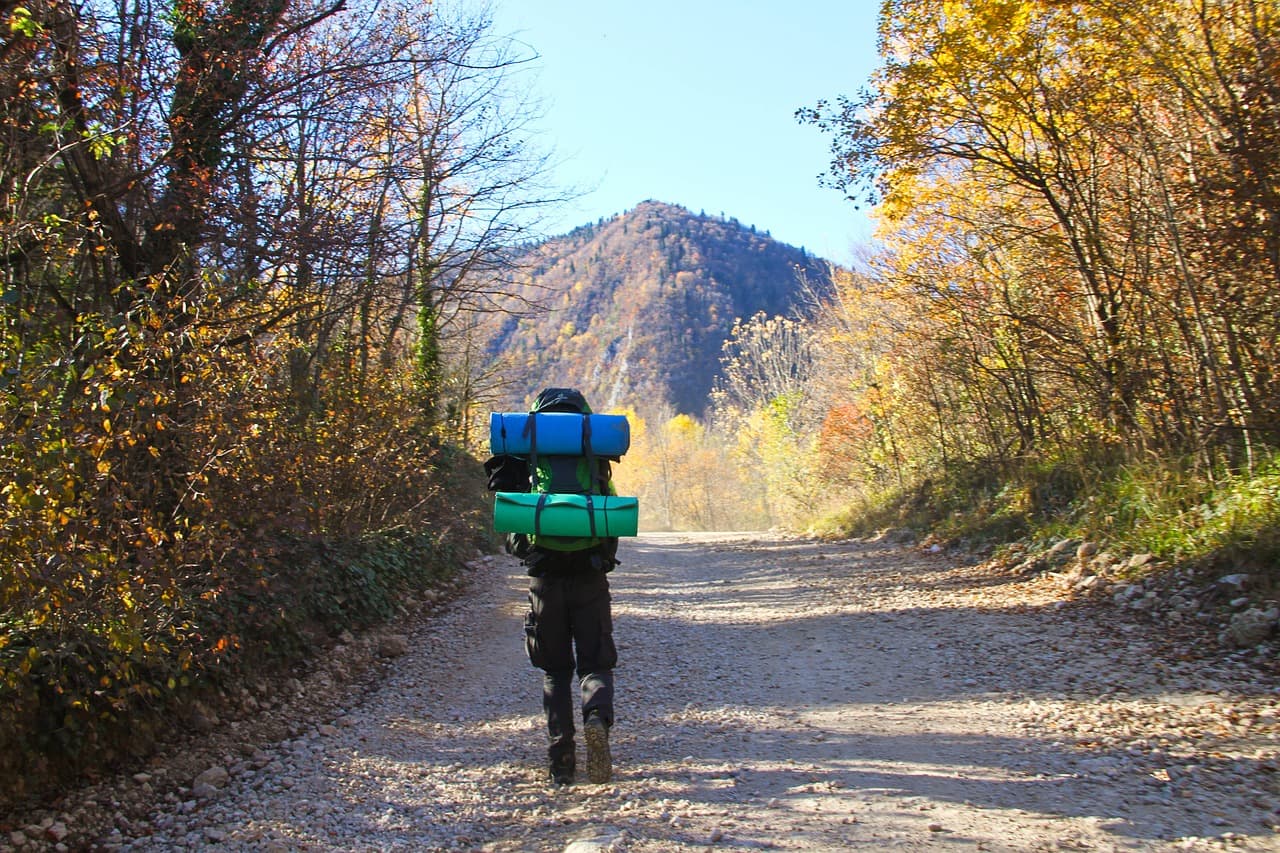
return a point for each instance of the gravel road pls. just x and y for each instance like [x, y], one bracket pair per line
[772, 694]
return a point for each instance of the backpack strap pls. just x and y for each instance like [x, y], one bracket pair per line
[591, 514]
[601, 474]
[531, 430]
[537, 514]
[592, 469]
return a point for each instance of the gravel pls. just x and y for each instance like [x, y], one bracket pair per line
[773, 694]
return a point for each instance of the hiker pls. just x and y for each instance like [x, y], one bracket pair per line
[570, 624]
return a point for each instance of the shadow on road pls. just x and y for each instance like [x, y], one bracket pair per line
[789, 692]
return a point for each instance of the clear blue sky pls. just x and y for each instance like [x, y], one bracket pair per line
[693, 101]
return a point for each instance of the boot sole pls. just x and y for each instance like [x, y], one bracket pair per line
[599, 761]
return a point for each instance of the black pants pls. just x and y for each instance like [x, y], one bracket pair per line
[570, 626]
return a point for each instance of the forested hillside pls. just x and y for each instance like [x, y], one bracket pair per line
[636, 309]
[1077, 293]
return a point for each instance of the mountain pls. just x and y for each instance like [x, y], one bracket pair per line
[634, 310]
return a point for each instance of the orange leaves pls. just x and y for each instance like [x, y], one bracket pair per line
[844, 426]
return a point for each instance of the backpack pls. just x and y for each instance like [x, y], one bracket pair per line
[555, 474]
[587, 474]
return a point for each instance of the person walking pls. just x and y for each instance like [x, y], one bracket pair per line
[569, 627]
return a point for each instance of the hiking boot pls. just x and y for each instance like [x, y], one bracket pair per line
[599, 762]
[562, 770]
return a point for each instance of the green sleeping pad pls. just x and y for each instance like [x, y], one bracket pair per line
[565, 514]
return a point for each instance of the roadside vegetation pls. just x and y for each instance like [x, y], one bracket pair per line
[1070, 326]
[237, 242]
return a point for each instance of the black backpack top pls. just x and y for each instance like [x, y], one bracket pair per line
[561, 400]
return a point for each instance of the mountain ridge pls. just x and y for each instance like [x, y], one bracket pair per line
[635, 309]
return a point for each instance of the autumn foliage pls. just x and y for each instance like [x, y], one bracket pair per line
[1081, 210]
[255, 258]
[1081, 249]
[1075, 286]
[224, 424]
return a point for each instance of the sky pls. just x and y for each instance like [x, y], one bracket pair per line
[693, 103]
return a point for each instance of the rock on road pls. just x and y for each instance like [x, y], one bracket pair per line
[774, 694]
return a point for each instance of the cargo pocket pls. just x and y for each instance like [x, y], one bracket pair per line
[532, 646]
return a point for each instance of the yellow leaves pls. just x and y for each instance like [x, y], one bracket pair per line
[165, 458]
[983, 28]
[21, 22]
[683, 428]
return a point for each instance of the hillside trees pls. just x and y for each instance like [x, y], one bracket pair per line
[636, 309]
[409, 176]
[475, 188]
[687, 476]
[754, 462]
[766, 416]
[1080, 205]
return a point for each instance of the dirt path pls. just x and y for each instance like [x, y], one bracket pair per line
[778, 694]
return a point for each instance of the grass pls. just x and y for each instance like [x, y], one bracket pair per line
[1185, 515]
[1171, 509]
[973, 502]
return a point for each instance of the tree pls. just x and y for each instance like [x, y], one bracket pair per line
[471, 182]
[764, 409]
[210, 252]
[1020, 139]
